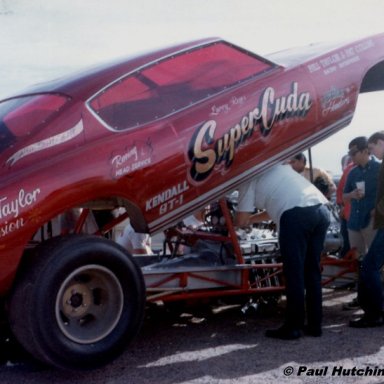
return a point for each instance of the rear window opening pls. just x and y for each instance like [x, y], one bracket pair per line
[21, 116]
[175, 83]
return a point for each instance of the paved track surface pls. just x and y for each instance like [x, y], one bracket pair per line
[217, 343]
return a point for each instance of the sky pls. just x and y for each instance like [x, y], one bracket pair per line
[44, 39]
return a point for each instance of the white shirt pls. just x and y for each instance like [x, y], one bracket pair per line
[134, 241]
[277, 190]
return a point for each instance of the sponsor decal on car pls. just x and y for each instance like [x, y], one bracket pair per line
[168, 199]
[131, 158]
[47, 143]
[335, 99]
[10, 209]
[340, 59]
[205, 151]
[226, 108]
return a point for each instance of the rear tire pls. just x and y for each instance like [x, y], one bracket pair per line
[77, 302]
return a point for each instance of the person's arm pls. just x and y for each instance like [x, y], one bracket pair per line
[350, 192]
[245, 205]
[341, 186]
[355, 194]
[339, 191]
[244, 219]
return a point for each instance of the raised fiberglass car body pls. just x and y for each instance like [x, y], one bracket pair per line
[160, 135]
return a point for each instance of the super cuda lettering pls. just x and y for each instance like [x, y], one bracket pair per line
[205, 151]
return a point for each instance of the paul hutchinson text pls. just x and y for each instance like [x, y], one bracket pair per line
[339, 370]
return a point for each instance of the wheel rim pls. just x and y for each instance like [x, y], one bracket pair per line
[89, 304]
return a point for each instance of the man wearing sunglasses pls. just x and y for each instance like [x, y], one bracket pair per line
[370, 289]
[360, 191]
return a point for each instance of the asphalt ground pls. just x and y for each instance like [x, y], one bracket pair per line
[215, 342]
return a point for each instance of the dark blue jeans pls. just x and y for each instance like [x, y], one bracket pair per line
[301, 236]
[370, 290]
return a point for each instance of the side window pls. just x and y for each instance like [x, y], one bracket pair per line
[127, 103]
[175, 83]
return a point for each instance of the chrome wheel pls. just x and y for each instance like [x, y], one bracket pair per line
[89, 304]
[78, 302]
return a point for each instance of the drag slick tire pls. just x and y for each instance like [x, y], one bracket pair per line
[77, 302]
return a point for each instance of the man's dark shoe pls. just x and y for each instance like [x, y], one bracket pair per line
[313, 331]
[354, 304]
[283, 333]
[366, 322]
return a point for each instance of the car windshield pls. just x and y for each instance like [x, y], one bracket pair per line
[21, 116]
[175, 83]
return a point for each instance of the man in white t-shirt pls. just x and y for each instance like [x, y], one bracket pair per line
[299, 210]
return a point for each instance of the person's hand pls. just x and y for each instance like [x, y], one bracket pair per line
[356, 194]
[342, 212]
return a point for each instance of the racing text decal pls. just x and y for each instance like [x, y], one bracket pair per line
[131, 158]
[205, 151]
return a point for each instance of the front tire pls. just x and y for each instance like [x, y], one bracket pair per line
[77, 302]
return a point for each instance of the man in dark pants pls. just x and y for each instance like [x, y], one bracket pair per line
[298, 208]
[370, 291]
[301, 239]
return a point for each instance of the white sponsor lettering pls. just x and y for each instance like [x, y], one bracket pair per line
[11, 207]
[166, 195]
[47, 143]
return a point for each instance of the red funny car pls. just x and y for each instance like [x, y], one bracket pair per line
[157, 136]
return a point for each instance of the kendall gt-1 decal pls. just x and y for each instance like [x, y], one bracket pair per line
[168, 199]
[205, 151]
[47, 143]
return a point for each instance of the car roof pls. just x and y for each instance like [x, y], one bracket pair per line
[85, 83]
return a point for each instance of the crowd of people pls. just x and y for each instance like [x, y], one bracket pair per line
[297, 198]
[300, 211]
